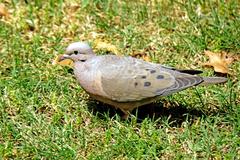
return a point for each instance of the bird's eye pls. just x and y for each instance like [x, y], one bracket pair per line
[75, 52]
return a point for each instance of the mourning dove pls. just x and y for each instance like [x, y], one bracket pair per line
[126, 82]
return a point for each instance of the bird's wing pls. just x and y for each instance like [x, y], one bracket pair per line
[127, 79]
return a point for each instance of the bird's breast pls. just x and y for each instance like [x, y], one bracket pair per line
[90, 80]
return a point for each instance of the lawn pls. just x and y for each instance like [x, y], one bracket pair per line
[45, 114]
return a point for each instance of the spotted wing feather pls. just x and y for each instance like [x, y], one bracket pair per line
[131, 79]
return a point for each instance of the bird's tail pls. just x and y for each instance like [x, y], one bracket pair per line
[213, 80]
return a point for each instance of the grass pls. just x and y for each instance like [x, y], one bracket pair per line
[44, 113]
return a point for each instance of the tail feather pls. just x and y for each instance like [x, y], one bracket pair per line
[190, 71]
[213, 80]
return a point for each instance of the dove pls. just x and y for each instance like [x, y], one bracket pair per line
[126, 82]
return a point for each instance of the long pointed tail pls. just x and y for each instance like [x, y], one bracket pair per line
[213, 80]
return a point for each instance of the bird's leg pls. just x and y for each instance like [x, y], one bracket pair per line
[125, 114]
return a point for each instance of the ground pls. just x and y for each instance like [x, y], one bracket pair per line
[45, 114]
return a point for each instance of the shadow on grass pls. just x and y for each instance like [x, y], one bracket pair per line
[175, 113]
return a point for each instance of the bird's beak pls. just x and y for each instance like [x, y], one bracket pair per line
[63, 57]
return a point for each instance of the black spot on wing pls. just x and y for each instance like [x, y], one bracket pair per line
[146, 84]
[135, 84]
[160, 76]
[75, 52]
[153, 71]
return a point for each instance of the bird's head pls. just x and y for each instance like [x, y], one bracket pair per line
[78, 51]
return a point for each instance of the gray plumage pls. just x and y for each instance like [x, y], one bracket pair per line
[127, 82]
